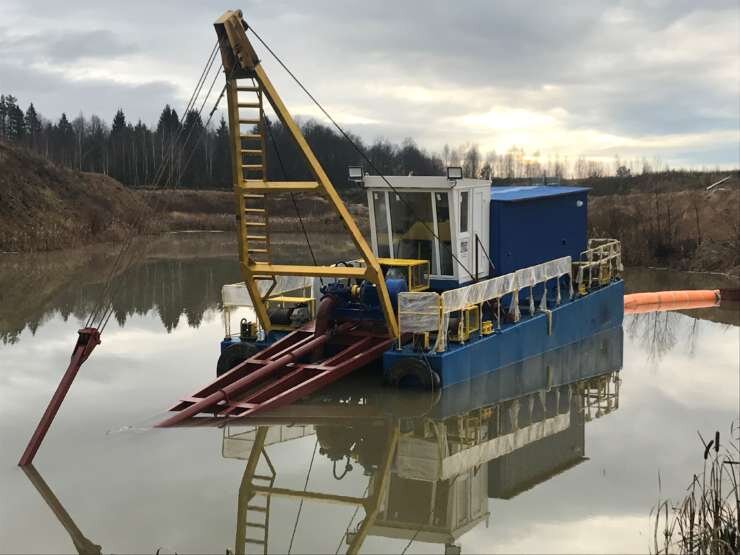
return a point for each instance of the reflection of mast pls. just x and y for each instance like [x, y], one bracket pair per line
[254, 486]
[507, 434]
[82, 544]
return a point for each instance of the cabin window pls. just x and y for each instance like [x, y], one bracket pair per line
[464, 203]
[381, 225]
[412, 223]
[442, 204]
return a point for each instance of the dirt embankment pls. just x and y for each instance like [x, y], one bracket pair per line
[46, 207]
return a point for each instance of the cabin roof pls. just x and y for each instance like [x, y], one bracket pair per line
[516, 193]
[423, 182]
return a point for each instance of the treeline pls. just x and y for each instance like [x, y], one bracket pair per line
[182, 151]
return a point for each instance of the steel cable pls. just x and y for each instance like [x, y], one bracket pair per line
[359, 150]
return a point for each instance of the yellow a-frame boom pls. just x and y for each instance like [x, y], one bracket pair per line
[250, 176]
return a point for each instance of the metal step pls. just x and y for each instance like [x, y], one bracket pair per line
[249, 121]
[249, 105]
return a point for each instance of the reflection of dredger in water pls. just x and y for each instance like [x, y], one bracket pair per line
[430, 476]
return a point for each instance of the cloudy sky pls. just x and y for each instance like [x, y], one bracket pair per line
[657, 78]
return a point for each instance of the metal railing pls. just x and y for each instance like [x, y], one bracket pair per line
[600, 263]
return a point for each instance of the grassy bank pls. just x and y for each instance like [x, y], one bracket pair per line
[45, 207]
[686, 230]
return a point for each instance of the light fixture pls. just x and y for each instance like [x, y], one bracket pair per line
[355, 173]
[454, 173]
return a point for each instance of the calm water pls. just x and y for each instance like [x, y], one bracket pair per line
[561, 454]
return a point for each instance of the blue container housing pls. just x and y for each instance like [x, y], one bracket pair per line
[533, 224]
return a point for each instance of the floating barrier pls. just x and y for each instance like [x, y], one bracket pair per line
[662, 301]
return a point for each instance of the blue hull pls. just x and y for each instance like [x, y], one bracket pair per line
[601, 309]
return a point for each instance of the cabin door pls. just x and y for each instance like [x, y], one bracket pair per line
[480, 230]
[464, 236]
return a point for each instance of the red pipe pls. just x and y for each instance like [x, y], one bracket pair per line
[89, 339]
[661, 301]
[234, 388]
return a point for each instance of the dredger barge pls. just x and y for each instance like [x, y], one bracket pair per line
[457, 278]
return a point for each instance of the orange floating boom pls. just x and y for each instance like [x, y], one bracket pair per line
[661, 301]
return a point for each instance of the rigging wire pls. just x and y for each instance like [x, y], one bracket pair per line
[160, 201]
[351, 520]
[158, 174]
[268, 126]
[160, 171]
[305, 486]
[358, 149]
[121, 264]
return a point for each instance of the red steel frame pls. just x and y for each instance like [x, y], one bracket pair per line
[289, 369]
[89, 339]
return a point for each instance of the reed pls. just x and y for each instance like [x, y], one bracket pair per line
[706, 519]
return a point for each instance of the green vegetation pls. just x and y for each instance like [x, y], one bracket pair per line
[707, 518]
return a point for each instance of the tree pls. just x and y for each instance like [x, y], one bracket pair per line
[14, 128]
[471, 162]
[33, 127]
[118, 142]
[222, 155]
[623, 171]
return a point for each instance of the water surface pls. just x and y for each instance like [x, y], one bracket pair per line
[562, 455]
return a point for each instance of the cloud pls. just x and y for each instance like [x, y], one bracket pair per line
[67, 46]
[556, 77]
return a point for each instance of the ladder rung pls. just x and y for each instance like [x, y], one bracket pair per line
[257, 508]
[249, 121]
[254, 195]
[257, 542]
[248, 89]
[256, 237]
[257, 185]
[252, 151]
[251, 136]
[252, 166]
[258, 251]
[255, 224]
[255, 524]
[254, 210]
[263, 477]
[249, 104]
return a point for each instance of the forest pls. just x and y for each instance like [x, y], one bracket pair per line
[185, 151]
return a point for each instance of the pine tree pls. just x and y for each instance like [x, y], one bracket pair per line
[33, 127]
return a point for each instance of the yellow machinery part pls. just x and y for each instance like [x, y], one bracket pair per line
[240, 62]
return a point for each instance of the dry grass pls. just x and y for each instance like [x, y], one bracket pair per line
[707, 518]
[686, 230]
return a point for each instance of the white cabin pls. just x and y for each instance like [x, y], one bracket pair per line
[456, 210]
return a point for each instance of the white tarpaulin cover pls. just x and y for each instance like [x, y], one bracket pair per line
[429, 460]
[427, 311]
[236, 294]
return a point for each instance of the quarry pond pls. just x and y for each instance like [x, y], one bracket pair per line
[562, 453]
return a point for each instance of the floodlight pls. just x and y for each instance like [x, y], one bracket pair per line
[355, 173]
[454, 173]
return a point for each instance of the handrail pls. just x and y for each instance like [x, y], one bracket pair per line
[429, 311]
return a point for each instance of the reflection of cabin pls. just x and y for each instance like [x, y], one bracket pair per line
[434, 512]
[544, 457]
[444, 469]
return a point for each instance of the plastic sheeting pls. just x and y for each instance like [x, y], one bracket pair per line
[236, 294]
[425, 311]
[430, 461]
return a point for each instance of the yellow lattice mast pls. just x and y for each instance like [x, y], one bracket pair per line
[247, 88]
